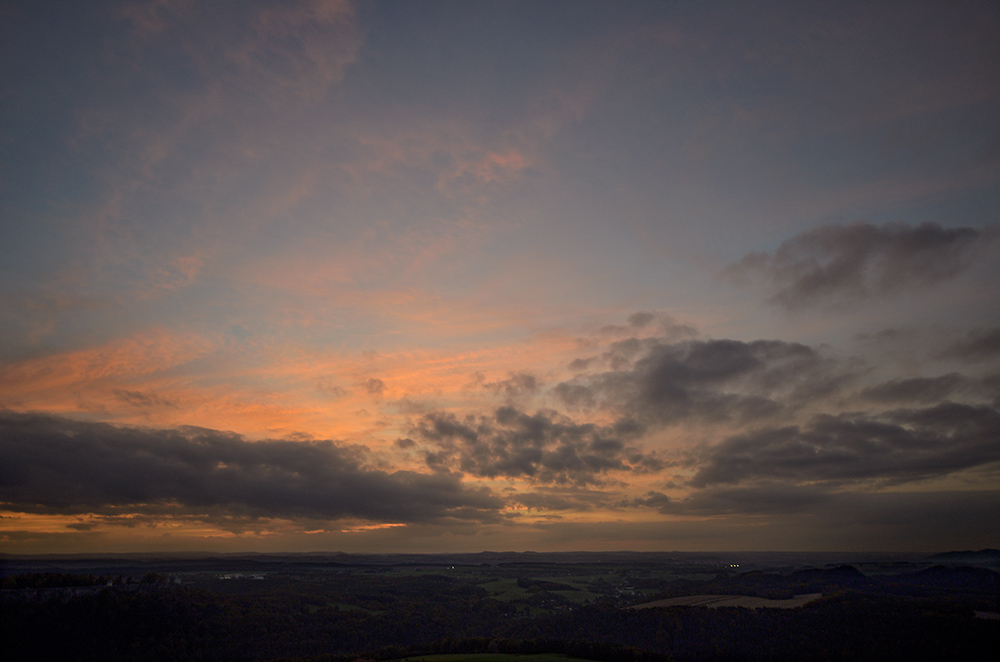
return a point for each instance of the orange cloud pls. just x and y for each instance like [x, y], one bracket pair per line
[145, 353]
[165, 378]
[131, 380]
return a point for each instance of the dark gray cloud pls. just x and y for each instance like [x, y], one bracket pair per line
[143, 399]
[641, 319]
[766, 498]
[917, 389]
[884, 336]
[644, 319]
[976, 346]
[56, 465]
[562, 498]
[620, 353]
[840, 263]
[651, 499]
[774, 516]
[897, 447]
[545, 447]
[660, 383]
[516, 384]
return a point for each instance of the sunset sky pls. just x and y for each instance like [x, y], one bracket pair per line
[463, 276]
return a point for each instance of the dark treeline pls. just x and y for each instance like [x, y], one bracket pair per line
[52, 580]
[340, 617]
[65, 580]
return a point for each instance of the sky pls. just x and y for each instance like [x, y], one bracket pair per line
[323, 275]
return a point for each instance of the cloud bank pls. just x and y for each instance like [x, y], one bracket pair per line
[52, 465]
[896, 447]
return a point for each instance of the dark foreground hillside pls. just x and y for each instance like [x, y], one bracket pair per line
[927, 613]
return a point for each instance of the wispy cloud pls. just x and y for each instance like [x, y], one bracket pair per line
[142, 354]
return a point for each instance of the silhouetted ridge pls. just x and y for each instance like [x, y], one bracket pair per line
[961, 577]
[984, 556]
[841, 574]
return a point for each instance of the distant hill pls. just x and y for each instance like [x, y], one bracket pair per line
[982, 557]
